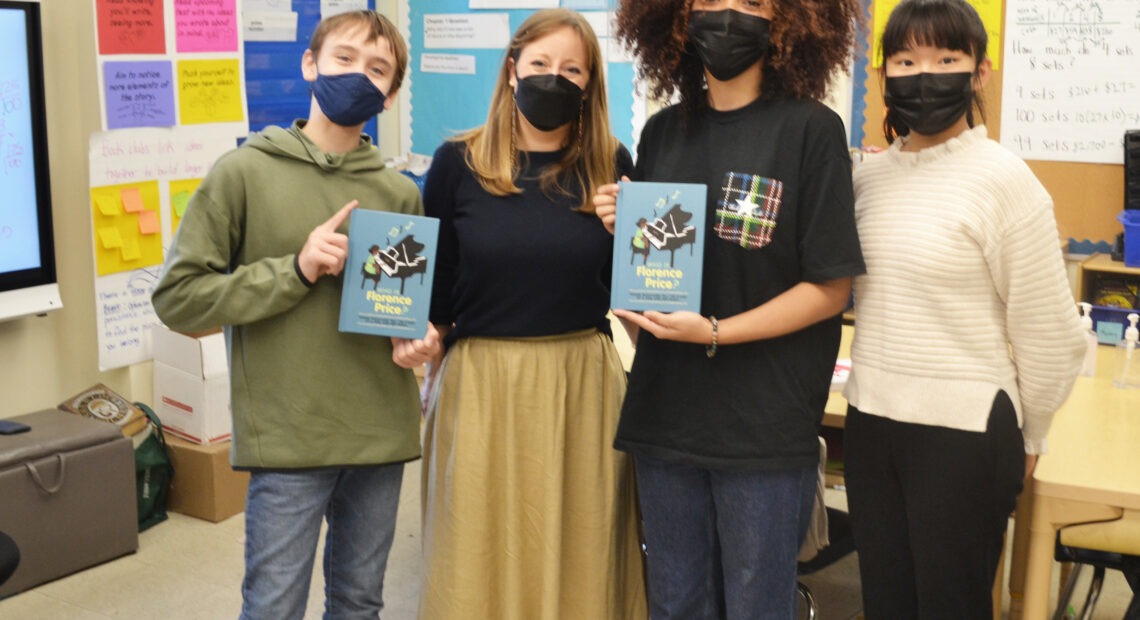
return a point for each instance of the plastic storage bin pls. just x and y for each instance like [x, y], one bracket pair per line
[1131, 220]
[67, 496]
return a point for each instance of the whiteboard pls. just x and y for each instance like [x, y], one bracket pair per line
[1071, 86]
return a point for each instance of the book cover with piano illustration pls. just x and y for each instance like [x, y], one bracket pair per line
[659, 246]
[388, 274]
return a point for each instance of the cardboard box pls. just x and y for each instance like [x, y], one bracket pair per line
[67, 496]
[192, 385]
[205, 485]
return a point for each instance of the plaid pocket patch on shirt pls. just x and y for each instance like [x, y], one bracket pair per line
[748, 208]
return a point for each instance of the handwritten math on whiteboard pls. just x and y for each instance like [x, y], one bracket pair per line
[19, 228]
[1071, 86]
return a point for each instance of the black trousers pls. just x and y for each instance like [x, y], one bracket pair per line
[929, 508]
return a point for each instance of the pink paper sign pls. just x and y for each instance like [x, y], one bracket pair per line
[206, 25]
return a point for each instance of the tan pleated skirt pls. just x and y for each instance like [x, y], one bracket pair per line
[528, 511]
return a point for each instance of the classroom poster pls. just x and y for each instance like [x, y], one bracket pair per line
[141, 181]
[147, 52]
[171, 101]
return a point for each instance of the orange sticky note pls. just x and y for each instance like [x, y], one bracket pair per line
[148, 222]
[110, 238]
[130, 250]
[106, 204]
[132, 200]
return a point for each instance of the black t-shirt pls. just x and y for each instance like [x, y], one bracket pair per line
[780, 211]
[521, 265]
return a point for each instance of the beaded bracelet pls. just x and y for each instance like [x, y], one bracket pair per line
[711, 349]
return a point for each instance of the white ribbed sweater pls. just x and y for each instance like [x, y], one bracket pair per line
[965, 291]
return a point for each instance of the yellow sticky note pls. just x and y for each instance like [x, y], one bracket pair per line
[148, 222]
[106, 204]
[181, 200]
[132, 200]
[130, 250]
[209, 91]
[110, 237]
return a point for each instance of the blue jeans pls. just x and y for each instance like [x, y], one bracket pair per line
[283, 513]
[722, 544]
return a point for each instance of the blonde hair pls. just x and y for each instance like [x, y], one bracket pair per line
[589, 161]
[379, 27]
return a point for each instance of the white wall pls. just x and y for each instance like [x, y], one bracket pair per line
[45, 360]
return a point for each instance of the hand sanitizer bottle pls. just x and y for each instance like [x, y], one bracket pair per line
[1088, 368]
[1127, 357]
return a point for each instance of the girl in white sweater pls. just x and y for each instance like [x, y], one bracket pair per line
[966, 331]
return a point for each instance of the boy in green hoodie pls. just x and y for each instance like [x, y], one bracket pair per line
[322, 427]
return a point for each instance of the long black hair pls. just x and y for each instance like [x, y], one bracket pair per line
[946, 24]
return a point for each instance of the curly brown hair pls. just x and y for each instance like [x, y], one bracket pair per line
[810, 40]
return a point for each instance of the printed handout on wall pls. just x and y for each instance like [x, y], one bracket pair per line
[467, 31]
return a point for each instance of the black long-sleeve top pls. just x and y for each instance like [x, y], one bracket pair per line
[515, 266]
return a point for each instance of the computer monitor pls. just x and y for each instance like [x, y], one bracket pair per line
[27, 251]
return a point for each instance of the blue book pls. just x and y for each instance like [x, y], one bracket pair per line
[388, 274]
[659, 247]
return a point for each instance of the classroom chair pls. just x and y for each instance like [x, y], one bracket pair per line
[828, 539]
[841, 544]
[1105, 545]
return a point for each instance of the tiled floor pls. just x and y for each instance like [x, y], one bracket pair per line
[190, 569]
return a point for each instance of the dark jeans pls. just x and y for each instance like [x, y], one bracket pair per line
[929, 508]
[722, 544]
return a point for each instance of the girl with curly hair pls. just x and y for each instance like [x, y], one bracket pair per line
[723, 409]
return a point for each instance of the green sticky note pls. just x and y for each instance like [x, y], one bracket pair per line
[181, 200]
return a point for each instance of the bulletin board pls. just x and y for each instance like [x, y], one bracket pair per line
[276, 91]
[1087, 71]
[171, 101]
[457, 48]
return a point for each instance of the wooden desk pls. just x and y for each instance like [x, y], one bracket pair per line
[835, 413]
[1091, 473]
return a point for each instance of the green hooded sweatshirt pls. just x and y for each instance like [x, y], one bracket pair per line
[304, 394]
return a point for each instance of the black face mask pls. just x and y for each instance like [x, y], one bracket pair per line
[729, 41]
[548, 101]
[929, 103]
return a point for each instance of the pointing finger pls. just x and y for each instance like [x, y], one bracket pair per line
[340, 217]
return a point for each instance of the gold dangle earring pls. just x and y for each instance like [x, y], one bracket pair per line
[581, 124]
[514, 143]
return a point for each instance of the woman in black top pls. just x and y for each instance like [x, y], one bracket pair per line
[724, 407]
[528, 511]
